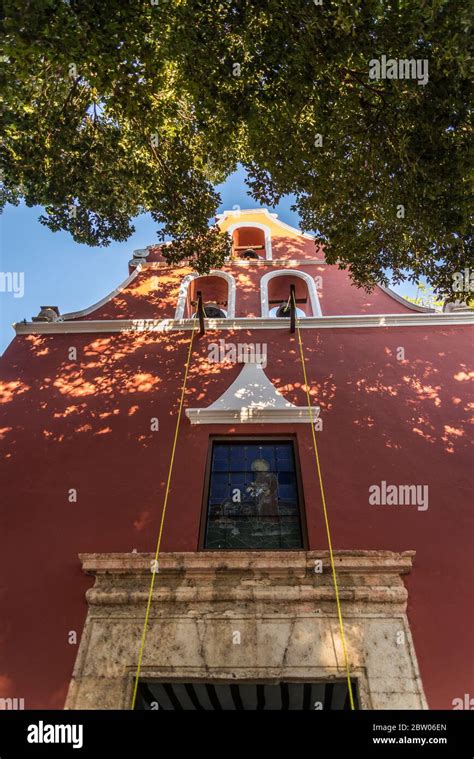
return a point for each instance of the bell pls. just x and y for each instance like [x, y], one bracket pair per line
[250, 253]
[283, 310]
[213, 312]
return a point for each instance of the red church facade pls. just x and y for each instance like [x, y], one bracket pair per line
[243, 596]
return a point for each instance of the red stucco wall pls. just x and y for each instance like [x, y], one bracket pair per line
[85, 424]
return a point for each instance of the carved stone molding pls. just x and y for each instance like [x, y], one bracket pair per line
[283, 605]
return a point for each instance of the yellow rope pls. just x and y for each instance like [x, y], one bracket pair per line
[160, 533]
[326, 520]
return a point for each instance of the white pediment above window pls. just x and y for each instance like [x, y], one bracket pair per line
[252, 398]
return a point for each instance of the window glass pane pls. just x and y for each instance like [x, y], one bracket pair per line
[220, 452]
[220, 485]
[253, 497]
[283, 451]
[237, 457]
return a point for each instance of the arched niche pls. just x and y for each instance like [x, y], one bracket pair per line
[253, 235]
[275, 286]
[216, 288]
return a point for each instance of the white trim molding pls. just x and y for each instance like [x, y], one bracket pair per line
[253, 323]
[183, 291]
[256, 225]
[253, 416]
[311, 285]
[252, 397]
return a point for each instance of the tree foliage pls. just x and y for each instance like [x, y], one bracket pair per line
[425, 296]
[116, 108]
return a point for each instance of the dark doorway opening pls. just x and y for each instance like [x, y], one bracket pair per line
[245, 696]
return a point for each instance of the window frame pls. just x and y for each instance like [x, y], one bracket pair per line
[288, 438]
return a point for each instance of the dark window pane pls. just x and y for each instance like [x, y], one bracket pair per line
[237, 457]
[288, 493]
[220, 452]
[220, 466]
[238, 480]
[253, 498]
[286, 477]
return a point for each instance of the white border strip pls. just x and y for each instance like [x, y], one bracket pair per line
[257, 323]
[253, 415]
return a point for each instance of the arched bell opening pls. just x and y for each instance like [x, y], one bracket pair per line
[248, 243]
[214, 296]
[279, 297]
[217, 292]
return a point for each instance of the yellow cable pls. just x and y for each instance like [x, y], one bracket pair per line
[165, 503]
[158, 544]
[326, 520]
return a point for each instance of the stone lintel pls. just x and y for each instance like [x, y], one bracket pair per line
[366, 579]
[281, 563]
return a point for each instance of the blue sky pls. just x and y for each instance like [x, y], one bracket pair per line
[59, 272]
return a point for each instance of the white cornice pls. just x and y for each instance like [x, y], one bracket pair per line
[257, 323]
[253, 416]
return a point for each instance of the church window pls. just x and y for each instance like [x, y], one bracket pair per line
[253, 496]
